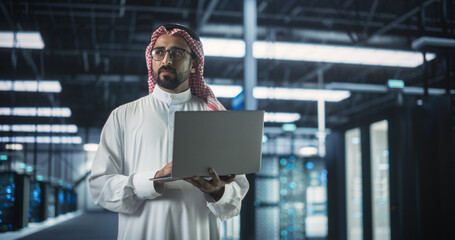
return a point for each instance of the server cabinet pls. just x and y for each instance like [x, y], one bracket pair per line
[404, 175]
[61, 201]
[38, 201]
[50, 201]
[72, 201]
[14, 201]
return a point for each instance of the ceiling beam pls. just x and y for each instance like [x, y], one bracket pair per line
[381, 31]
[207, 13]
[25, 52]
[372, 12]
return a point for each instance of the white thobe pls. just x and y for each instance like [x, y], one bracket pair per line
[135, 143]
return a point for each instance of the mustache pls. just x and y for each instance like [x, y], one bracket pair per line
[166, 68]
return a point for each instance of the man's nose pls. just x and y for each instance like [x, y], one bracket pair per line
[167, 58]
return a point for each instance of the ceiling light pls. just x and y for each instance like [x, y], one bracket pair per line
[43, 139]
[300, 94]
[29, 168]
[223, 47]
[289, 127]
[32, 112]
[30, 86]
[226, 91]
[338, 54]
[14, 147]
[363, 87]
[68, 128]
[30, 40]
[395, 83]
[90, 147]
[308, 151]
[281, 117]
[231, 91]
[433, 42]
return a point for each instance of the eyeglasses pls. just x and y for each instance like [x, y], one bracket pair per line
[175, 53]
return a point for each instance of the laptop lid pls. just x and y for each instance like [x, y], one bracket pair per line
[228, 141]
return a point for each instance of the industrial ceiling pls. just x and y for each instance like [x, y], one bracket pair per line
[96, 50]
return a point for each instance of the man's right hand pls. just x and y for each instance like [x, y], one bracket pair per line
[165, 171]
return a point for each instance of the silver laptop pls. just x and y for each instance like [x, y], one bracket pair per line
[228, 141]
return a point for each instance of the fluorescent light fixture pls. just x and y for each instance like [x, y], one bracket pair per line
[300, 94]
[231, 91]
[281, 117]
[435, 42]
[32, 112]
[69, 128]
[289, 127]
[30, 86]
[31, 40]
[355, 140]
[395, 83]
[362, 87]
[226, 91]
[14, 147]
[338, 54]
[90, 147]
[43, 139]
[308, 151]
[223, 47]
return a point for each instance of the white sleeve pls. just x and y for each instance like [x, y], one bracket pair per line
[231, 202]
[109, 186]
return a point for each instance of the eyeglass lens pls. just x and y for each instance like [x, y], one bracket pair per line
[175, 54]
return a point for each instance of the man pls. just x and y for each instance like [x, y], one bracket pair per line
[136, 145]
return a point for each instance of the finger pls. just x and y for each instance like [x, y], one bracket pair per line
[169, 166]
[191, 181]
[165, 171]
[200, 180]
[230, 178]
[215, 177]
[198, 184]
[203, 185]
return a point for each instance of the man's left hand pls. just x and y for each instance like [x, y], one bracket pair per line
[215, 186]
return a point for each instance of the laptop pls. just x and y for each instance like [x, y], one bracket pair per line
[228, 141]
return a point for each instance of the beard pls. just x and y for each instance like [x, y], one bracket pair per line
[170, 81]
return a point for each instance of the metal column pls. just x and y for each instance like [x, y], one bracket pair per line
[250, 65]
[247, 215]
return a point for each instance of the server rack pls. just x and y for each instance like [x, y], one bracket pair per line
[60, 201]
[50, 201]
[14, 201]
[38, 201]
[72, 201]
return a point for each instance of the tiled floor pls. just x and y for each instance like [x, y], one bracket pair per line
[99, 225]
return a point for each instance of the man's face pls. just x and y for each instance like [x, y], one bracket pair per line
[170, 74]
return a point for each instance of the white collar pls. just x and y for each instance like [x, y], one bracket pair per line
[171, 98]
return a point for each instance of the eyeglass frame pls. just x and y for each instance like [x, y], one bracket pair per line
[170, 55]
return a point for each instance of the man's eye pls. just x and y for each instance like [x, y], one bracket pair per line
[159, 52]
[178, 53]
